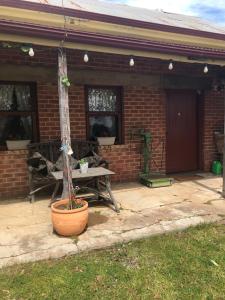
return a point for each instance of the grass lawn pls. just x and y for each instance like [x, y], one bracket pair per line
[186, 265]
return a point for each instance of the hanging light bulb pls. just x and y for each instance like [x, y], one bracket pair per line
[206, 70]
[86, 58]
[31, 52]
[131, 62]
[170, 67]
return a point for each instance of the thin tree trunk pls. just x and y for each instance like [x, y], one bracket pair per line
[64, 126]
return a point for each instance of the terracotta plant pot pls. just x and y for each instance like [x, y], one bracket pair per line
[69, 222]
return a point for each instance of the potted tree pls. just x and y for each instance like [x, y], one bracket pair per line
[69, 215]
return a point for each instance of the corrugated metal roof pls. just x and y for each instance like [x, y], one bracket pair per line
[135, 13]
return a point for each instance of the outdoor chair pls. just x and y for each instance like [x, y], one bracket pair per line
[45, 158]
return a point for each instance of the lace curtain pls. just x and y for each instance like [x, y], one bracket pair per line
[24, 104]
[15, 98]
[23, 97]
[6, 97]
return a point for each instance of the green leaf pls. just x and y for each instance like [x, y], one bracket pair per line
[25, 49]
[6, 45]
[66, 81]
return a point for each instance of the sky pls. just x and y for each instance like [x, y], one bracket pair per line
[212, 10]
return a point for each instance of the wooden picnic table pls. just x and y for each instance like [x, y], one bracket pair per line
[100, 175]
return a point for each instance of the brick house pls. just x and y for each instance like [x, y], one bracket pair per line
[161, 70]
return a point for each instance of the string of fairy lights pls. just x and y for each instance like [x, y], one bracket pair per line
[28, 49]
[132, 63]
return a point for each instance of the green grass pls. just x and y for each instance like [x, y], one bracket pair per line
[185, 265]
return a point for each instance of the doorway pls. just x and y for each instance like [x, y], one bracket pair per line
[182, 146]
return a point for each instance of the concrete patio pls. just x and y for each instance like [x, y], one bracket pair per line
[26, 231]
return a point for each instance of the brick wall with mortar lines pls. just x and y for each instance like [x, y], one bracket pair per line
[213, 121]
[13, 173]
[143, 108]
[48, 111]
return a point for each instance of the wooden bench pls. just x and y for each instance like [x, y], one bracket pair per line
[101, 189]
[51, 151]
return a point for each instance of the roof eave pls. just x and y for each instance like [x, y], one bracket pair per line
[119, 42]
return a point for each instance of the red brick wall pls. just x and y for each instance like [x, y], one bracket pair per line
[48, 109]
[213, 121]
[13, 168]
[144, 107]
[13, 173]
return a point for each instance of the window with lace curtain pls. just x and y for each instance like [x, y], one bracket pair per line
[18, 112]
[104, 112]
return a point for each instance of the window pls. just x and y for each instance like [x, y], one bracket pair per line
[104, 112]
[17, 112]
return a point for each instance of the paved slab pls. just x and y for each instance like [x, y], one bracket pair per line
[26, 230]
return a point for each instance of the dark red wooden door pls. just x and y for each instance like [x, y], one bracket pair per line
[182, 144]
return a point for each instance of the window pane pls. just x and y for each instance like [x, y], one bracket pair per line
[15, 97]
[102, 99]
[103, 126]
[15, 128]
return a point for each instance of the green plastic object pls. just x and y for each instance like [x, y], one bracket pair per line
[217, 167]
[155, 182]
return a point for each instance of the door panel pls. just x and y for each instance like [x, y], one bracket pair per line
[182, 146]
